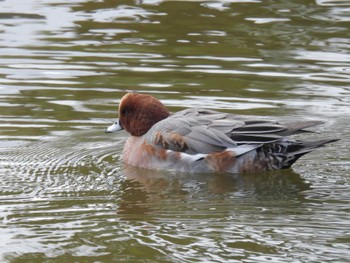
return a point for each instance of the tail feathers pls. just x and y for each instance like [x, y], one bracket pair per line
[307, 147]
[304, 148]
[299, 127]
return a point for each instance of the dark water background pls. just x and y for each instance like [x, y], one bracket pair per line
[65, 196]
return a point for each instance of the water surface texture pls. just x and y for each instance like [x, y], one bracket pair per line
[65, 195]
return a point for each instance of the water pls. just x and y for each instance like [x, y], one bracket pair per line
[65, 195]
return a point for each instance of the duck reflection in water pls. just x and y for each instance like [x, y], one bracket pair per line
[281, 183]
[144, 189]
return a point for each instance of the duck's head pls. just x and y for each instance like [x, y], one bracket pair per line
[138, 113]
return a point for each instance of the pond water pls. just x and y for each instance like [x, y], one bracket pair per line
[65, 195]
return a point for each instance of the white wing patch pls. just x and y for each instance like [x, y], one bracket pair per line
[242, 149]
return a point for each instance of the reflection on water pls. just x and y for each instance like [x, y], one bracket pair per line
[65, 195]
[279, 183]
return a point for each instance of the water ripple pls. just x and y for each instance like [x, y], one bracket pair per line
[59, 165]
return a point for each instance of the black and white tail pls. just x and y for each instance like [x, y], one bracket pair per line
[284, 154]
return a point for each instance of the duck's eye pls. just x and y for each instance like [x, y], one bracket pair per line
[125, 112]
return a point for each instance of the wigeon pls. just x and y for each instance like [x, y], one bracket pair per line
[206, 141]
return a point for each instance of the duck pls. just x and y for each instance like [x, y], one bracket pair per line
[197, 140]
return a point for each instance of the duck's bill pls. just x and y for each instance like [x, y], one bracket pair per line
[114, 127]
